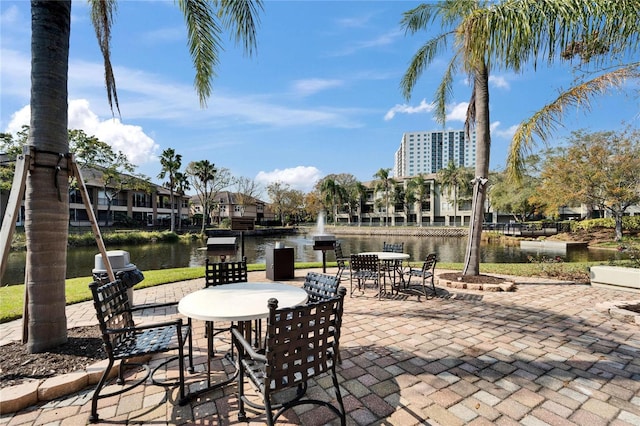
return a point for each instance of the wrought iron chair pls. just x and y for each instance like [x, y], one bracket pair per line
[320, 286]
[341, 260]
[124, 340]
[364, 267]
[395, 266]
[425, 273]
[220, 273]
[301, 344]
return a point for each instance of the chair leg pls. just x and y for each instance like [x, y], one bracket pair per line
[336, 385]
[267, 409]
[191, 369]
[93, 418]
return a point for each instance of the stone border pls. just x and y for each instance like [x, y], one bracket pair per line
[15, 398]
[505, 286]
[616, 310]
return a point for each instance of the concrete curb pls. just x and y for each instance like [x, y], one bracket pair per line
[15, 398]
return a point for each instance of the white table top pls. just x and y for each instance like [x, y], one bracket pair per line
[388, 255]
[239, 301]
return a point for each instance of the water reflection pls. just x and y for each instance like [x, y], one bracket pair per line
[80, 261]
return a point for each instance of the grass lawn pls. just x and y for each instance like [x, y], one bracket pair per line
[77, 289]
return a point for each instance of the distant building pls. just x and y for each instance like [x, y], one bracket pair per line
[227, 205]
[120, 206]
[429, 151]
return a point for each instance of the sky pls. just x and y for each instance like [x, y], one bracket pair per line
[320, 96]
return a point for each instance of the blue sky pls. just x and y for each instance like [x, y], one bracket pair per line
[320, 96]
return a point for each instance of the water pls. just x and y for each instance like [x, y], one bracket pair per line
[80, 261]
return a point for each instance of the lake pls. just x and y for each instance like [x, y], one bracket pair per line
[80, 261]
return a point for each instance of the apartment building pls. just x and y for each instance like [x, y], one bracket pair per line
[120, 206]
[427, 152]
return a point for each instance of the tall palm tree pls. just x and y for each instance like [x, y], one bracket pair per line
[419, 188]
[453, 178]
[171, 163]
[517, 33]
[384, 184]
[46, 194]
[361, 192]
[182, 186]
[454, 18]
[333, 194]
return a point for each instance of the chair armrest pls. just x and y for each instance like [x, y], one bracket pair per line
[177, 322]
[152, 306]
[239, 339]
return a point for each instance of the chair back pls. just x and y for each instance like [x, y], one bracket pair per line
[364, 262]
[429, 264]
[337, 249]
[393, 247]
[217, 273]
[320, 286]
[301, 341]
[113, 310]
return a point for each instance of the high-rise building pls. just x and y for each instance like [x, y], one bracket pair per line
[429, 151]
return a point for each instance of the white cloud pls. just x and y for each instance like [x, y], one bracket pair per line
[506, 133]
[131, 140]
[458, 112]
[408, 109]
[302, 178]
[314, 85]
[499, 82]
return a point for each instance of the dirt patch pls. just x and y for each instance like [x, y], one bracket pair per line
[471, 279]
[83, 348]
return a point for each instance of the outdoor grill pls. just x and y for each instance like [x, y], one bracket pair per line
[324, 242]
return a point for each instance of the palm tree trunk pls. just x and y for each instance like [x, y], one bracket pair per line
[483, 148]
[47, 188]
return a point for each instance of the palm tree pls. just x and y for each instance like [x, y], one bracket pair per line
[171, 163]
[603, 33]
[454, 19]
[361, 192]
[384, 183]
[182, 186]
[418, 187]
[46, 194]
[453, 178]
[334, 194]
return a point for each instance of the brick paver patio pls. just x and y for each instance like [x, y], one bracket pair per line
[546, 354]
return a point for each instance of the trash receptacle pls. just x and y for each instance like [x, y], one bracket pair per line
[279, 263]
[122, 268]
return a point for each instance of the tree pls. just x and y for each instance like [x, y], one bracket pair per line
[520, 199]
[455, 20]
[333, 194]
[247, 191]
[202, 174]
[384, 183]
[457, 179]
[598, 169]
[419, 187]
[46, 195]
[277, 192]
[171, 163]
[517, 33]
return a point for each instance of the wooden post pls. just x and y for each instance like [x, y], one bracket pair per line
[13, 206]
[92, 218]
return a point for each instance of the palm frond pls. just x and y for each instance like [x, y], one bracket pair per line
[444, 92]
[420, 61]
[544, 122]
[102, 19]
[204, 43]
[242, 18]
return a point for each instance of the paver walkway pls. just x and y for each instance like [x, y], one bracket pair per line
[542, 355]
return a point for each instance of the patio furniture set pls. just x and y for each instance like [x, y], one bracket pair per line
[300, 341]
